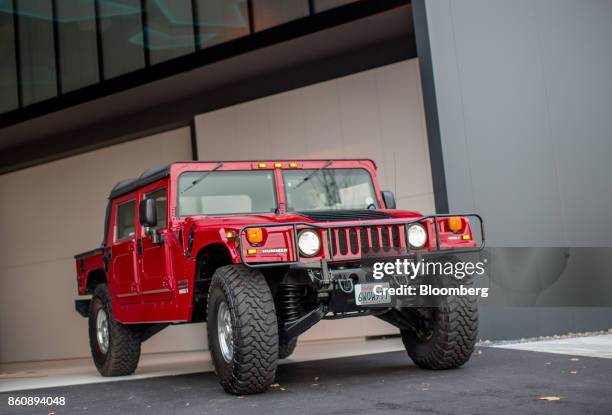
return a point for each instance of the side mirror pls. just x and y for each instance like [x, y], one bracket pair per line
[148, 213]
[389, 199]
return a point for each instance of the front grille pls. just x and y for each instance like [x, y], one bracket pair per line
[364, 240]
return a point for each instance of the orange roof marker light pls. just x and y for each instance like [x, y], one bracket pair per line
[262, 165]
[293, 165]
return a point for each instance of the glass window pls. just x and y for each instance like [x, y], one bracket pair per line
[77, 44]
[329, 189]
[126, 214]
[269, 13]
[8, 68]
[322, 5]
[122, 40]
[161, 203]
[36, 51]
[169, 29]
[226, 192]
[219, 21]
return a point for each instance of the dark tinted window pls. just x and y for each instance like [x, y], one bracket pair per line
[122, 37]
[77, 43]
[8, 67]
[169, 29]
[220, 20]
[37, 50]
[270, 13]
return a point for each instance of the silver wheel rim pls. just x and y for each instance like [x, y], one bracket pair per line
[102, 330]
[225, 332]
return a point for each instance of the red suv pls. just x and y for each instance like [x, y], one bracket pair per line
[262, 251]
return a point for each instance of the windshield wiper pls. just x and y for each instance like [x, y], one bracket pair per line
[314, 173]
[202, 177]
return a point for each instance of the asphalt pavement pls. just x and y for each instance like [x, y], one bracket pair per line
[495, 381]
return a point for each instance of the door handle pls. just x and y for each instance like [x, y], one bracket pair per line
[139, 245]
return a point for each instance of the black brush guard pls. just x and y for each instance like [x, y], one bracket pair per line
[331, 257]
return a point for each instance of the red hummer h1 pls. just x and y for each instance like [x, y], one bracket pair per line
[262, 251]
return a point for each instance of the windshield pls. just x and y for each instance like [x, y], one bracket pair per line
[226, 192]
[329, 189]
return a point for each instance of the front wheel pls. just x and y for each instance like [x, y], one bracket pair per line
[115, 347]
[242, 330]
[450, 341]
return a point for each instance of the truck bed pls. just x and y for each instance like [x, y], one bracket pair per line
[87, 262]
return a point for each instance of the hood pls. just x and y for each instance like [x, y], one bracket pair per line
[328, 216]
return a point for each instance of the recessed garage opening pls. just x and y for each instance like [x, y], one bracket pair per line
[348, 91]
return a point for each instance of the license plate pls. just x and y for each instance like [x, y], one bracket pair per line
[364, 294]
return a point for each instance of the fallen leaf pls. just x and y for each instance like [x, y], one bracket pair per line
[574, 359]
[316, 378]
[550, 398]
[548, 363]
[283, 389]
[425, 389]
[275, 385]
[573, 372]
[315, 384]
[477, 352]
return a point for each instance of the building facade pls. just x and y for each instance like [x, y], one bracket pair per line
[469, 105]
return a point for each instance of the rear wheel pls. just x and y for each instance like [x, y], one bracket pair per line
[115, 347]
[286, 348]
[242, 330]
[449, 343]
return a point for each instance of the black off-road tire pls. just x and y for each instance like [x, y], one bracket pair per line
[451, 342]
[286, 348]
[123, 353]
[252, 367]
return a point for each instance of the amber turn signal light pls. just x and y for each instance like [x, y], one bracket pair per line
[455, 223]
[254, 236]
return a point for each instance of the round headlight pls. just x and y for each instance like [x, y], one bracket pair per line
[309, 243]
[417, 236]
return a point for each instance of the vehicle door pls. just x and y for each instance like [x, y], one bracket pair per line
[124, 285]
[152, 255]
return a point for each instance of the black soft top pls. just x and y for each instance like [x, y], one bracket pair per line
[149, 176]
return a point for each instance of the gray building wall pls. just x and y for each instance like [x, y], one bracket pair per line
[519, 103]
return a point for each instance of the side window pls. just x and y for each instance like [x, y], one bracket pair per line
[126, 215]
[160, 200]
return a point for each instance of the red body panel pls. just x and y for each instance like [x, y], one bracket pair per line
[157, 285]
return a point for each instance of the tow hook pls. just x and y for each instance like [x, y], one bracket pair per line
[345, 283]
